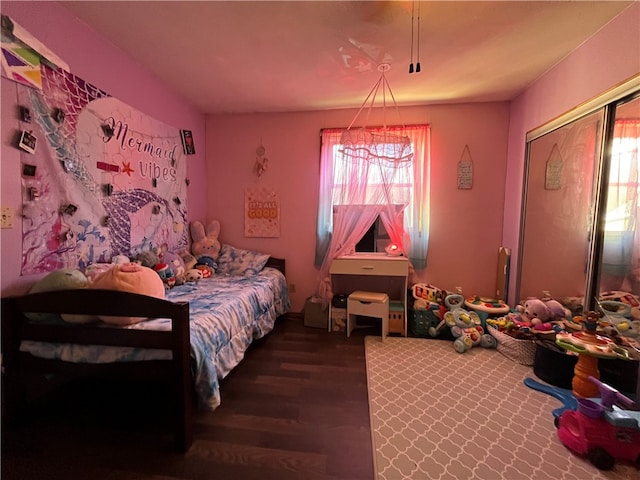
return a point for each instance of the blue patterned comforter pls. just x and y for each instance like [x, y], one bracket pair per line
[227, 314]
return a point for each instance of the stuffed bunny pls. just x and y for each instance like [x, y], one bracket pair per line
[205, 243]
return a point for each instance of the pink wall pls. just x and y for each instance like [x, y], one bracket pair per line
[608, 58]
[105, 66]
[466, 224]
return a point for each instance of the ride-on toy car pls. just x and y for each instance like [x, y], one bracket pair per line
[602, 431]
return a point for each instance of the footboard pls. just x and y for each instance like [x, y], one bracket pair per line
[16, 328]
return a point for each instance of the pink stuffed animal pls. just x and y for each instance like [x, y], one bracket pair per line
[133, 278]
[205, 243]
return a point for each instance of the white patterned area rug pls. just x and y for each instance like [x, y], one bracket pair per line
[437, 414]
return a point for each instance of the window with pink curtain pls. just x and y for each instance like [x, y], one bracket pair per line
[358, 187]
[621, 236]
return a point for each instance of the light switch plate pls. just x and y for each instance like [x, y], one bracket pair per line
[6, 217]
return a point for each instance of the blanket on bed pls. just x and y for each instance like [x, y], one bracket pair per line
[227, 314]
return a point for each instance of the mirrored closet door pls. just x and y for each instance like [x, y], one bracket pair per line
[619, 268]
[579, 237]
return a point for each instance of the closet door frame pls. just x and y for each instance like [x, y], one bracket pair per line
[608, 101]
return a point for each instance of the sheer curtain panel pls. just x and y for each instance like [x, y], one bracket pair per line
[371, 172]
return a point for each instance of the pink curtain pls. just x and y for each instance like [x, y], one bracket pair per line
[375, 172]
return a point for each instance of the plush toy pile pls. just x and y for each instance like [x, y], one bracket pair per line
[150, 272]
[535, 316]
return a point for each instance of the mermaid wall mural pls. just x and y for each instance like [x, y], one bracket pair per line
[108, 180]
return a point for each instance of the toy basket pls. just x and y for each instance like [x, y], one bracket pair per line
[519, 350]
[421, 320]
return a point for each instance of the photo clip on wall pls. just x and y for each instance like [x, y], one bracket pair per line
[465, 170]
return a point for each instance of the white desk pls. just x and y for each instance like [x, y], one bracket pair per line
[375, 272]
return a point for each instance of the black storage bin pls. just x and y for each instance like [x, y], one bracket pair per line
[620, 374]
[554, 366]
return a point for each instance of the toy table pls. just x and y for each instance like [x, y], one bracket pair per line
[590, 347]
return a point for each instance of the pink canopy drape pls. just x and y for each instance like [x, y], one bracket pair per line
[370, 173]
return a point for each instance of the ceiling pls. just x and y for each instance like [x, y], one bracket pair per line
[270, 56]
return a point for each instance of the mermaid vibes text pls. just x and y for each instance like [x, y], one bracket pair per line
[129, 141]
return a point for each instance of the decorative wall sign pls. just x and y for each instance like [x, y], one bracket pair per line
[187, 142]
[262, 162]
[465, 170]
[107, 178]
[262, 212]
[553, 172]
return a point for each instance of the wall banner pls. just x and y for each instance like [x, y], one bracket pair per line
[262, 212]
[103, 179]
[22, 55]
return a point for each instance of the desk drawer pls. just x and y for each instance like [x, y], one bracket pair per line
[355, 266]
[368, 309]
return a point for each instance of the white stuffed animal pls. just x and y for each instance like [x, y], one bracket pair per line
[194, 275]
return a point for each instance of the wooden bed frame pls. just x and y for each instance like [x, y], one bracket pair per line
[16, 328]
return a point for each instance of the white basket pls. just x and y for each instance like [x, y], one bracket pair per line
[520, 351]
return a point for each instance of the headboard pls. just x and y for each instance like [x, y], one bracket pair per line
[277, 263]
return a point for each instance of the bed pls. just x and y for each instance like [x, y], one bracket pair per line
[194, 337]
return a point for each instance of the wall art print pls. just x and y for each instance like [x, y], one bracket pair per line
[262, 212]
[109, 180]
[22, 55]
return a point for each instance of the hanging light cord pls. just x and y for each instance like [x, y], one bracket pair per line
[413, 14]
[418, 63]
[413, 7]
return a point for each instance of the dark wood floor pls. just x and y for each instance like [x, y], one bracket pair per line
[295, 408]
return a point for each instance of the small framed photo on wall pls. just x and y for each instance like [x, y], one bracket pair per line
[187, 142]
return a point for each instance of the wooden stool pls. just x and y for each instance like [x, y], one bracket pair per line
[368, 304]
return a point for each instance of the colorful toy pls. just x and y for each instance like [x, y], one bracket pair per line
[623, 297]
[425, 294]
[592, 344]
[590, 347]
[618, 317]
[166, 274]
[465, 327]
[487, 306]
[566, 397]
[207, 264]
[602, 431]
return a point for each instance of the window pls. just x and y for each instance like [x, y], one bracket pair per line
[363, 190]
[620, 248]
[622, 197]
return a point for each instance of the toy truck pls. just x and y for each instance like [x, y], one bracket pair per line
[602, 431]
